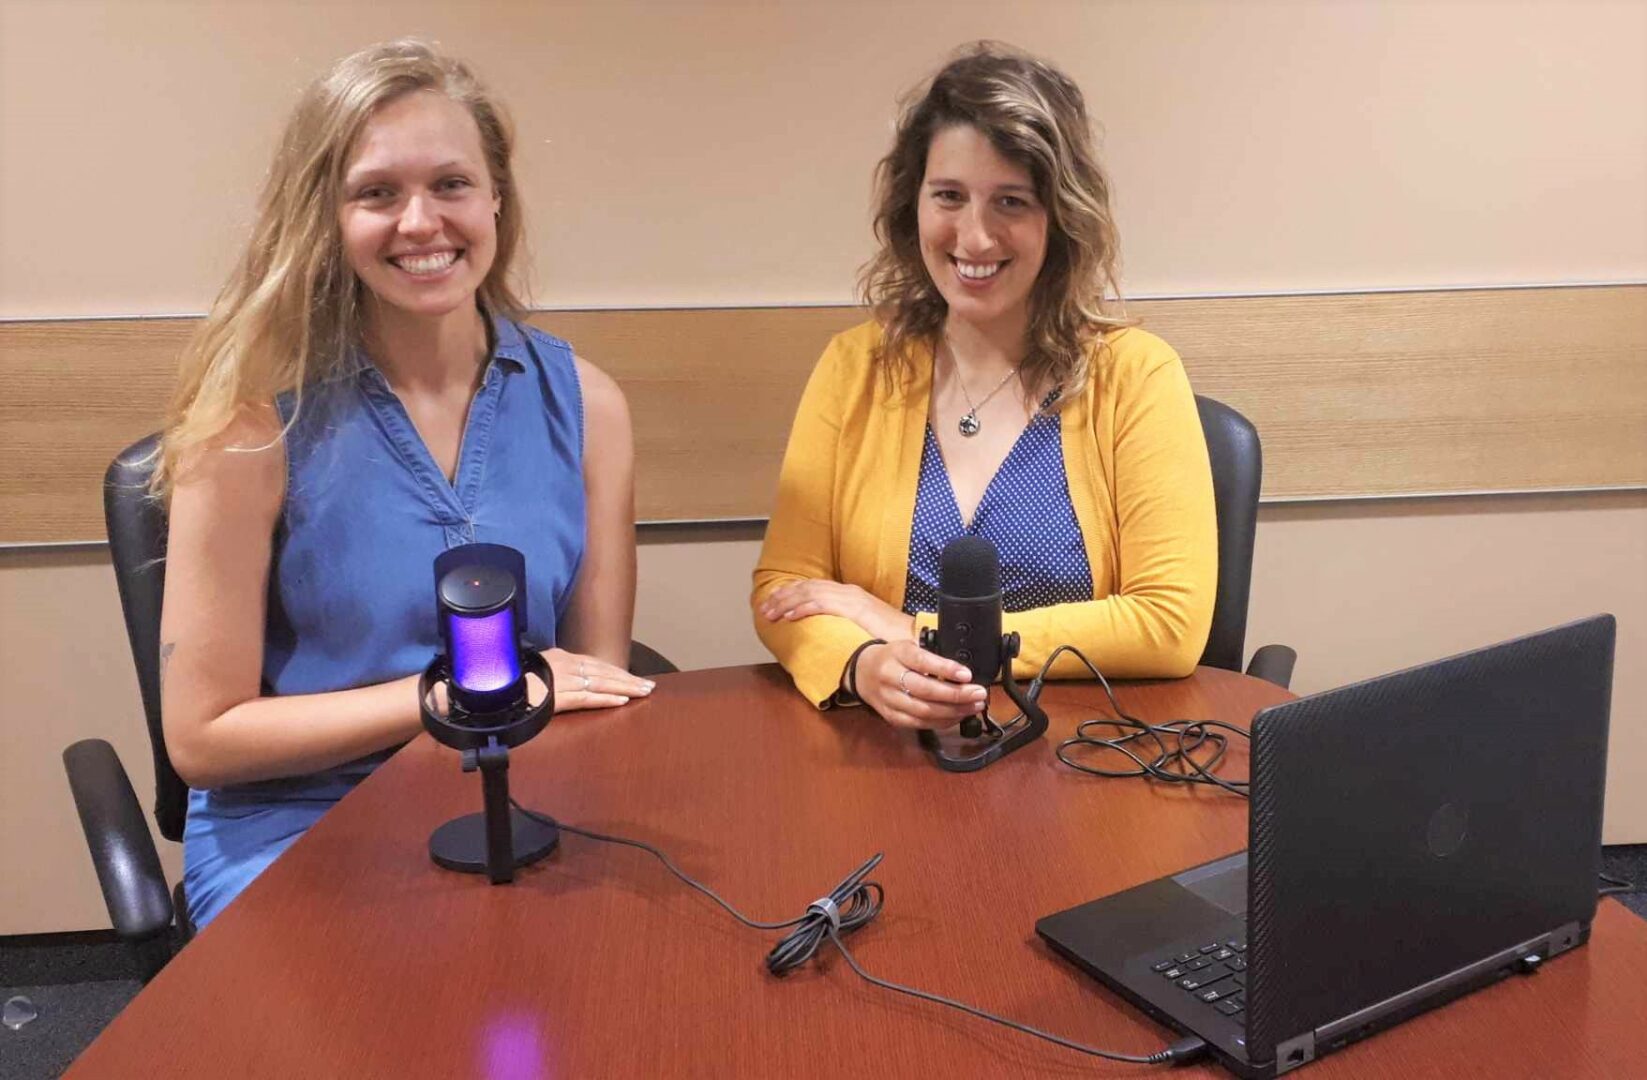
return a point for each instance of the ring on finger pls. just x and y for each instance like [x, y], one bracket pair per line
[904, 674]
[582, 674]
[587, 682]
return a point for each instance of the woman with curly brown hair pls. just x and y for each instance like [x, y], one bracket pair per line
[995, 392]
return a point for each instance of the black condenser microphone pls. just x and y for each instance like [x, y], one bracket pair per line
[969, 632]
[969, 607]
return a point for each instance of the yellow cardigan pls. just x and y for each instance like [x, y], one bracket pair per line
[1138, 478]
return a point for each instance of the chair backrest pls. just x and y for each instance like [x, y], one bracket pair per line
[646, 661]
[137, 542]
[1237, 475]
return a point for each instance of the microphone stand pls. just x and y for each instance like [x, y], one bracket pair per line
[497, 840]
[1000, 741]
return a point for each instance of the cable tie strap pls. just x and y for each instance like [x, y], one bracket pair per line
[825, 906]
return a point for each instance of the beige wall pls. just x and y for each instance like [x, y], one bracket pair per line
[719, 154]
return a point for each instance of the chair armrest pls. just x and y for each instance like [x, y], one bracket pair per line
[122, 849]
[1273, 663]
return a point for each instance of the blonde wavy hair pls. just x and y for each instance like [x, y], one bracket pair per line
[290, 315]
[1033, 115]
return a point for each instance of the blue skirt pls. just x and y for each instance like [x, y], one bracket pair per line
[232, 834]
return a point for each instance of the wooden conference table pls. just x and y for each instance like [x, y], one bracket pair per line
[354, 956]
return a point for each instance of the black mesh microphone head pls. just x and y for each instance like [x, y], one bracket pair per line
[969, 566]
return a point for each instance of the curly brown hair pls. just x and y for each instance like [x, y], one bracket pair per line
[1033, 115]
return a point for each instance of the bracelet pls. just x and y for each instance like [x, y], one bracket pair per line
[849, 674]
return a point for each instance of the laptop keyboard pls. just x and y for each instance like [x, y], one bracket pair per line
[1215, 974]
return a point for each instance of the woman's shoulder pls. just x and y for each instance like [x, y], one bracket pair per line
[1131, 351]
[860, 339]
[562, 370]
[600, 391]
[243, 465]
[1137, 348]
[544, 339]
[602, 396]
[513, 339]
[852, 351]
[850, 364]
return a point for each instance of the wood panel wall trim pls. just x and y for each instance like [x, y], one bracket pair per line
[1354, 394]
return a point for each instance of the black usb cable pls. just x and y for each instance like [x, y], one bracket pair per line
[847, 907]
[1176, 752]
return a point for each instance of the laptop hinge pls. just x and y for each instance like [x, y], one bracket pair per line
[1543, 946]
[1294, 1052]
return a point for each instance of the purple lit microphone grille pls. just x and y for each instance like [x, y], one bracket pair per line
[485, 651]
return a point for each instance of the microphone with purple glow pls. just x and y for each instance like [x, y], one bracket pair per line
[480, 602]
[477, 622]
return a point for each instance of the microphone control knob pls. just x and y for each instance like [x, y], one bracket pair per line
[963, 655]
[965, 628]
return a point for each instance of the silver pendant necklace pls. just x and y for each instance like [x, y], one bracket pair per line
[969, 424]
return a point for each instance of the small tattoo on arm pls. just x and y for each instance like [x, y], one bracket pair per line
[166, 648]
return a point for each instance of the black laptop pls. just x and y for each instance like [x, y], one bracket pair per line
[1411, 838]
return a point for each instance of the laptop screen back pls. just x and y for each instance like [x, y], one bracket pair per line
[1407, 826]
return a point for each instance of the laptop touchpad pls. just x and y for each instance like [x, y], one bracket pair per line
[1222, 883]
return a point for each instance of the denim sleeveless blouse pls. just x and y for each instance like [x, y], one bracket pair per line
[351, 584]
[1025, 512]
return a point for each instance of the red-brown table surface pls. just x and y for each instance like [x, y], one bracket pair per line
[354, 956]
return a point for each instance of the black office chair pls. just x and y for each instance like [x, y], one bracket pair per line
[647, 661]
[1237, 474]
[152, 921]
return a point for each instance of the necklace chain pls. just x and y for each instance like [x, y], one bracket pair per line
[969, 424]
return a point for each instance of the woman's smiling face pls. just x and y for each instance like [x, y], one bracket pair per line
[418, 209]
[983, 230]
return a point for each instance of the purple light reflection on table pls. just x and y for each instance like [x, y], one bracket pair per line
[512, 1048]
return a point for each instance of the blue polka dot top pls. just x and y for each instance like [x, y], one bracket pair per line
[1025, 512]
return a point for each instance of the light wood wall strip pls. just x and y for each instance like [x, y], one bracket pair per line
[1428, 392]
[1354, 395]
[711, 393]
[75, 392]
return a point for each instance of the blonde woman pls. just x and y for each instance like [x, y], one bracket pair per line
[994, 393]
[361, 398]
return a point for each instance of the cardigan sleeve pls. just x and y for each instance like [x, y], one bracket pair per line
[801, 537]
[1156, 622]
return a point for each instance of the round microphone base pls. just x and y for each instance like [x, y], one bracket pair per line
[460, 844]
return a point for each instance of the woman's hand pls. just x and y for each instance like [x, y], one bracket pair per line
[583, 682]
[912, 688]
[819, 596]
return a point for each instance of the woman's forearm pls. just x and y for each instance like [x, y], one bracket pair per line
[269, 737]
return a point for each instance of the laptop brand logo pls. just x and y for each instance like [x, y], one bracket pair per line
[1448, 827]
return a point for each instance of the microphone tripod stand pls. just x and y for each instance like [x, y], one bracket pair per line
[990, 741]
[497, 840]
